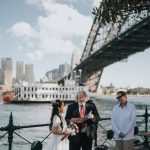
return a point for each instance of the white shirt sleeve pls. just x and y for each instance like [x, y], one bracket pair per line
[56, 121]
[113, 122]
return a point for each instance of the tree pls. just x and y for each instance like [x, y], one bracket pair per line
[118, 10]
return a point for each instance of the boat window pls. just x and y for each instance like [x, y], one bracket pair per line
[42, 96]
[53, 89]
[32, 89]
[35, 95]
[63, 97]
[53, 96]
[24, 88]
[66, 89]
[42, 88]
[28, 89]
[32, 95]
[56, 96]
[24, 95]
[63, 89]
[36, 89]
[28, 95]
[66, 96]
[56, 88]
[60, 96]
[50, 96]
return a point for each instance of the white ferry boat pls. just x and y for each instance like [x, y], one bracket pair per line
[44, 92]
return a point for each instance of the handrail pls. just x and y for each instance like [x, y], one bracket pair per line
[10, 129]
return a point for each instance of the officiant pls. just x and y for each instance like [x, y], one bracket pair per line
[84, 114]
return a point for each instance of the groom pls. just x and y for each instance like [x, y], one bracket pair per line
[84, 114]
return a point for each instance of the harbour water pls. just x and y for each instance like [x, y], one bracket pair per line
[30, 114]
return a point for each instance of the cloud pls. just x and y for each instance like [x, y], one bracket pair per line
[69, 23]
[54, 45]
[55, 32]
[41, 4]
[36, 55]
[96, 3]
[22, 29]
[19, 47]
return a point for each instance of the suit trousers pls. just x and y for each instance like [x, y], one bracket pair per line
[85, 143]
[124, 145]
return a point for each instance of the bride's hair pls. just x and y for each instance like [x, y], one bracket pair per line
[55, 111]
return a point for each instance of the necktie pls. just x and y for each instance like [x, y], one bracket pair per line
[81, 111]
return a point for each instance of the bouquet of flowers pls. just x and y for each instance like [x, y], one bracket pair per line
[72, 129]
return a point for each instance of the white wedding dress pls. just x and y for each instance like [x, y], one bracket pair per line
[57, 143]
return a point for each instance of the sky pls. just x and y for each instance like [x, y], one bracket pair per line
[46, 32]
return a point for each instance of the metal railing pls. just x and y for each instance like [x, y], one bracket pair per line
[11, 130]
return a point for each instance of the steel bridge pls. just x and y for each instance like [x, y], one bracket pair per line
[112, 42]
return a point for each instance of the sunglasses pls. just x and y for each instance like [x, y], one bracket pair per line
[118, 97]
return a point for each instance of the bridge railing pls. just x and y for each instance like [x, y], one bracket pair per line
[104, 139]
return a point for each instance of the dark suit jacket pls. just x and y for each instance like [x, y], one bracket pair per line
[73, 112]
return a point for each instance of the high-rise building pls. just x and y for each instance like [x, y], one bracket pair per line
[6, 71]
[52, 74]
[29, 73]
[64, 69]
[19, 71]
[75, 60]
[1, 81]
[55, 74]
[49, 75]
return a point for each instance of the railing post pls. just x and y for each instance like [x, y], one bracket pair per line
[146, 118]
[10, 128]
[146, 144]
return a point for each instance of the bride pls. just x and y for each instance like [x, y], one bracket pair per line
[59, 127]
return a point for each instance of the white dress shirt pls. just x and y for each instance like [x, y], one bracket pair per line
[124, 120]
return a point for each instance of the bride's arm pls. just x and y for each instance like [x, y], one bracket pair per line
[57, 130]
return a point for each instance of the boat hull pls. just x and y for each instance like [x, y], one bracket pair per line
[8, 96]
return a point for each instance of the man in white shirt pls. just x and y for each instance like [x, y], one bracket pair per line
[123, 121]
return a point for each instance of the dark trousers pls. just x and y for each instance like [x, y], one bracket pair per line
[85, 143]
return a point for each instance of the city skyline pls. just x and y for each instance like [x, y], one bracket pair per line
[25, 72]
[22, 72]
[37, 32]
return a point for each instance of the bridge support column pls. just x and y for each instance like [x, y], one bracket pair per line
[91, 79]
